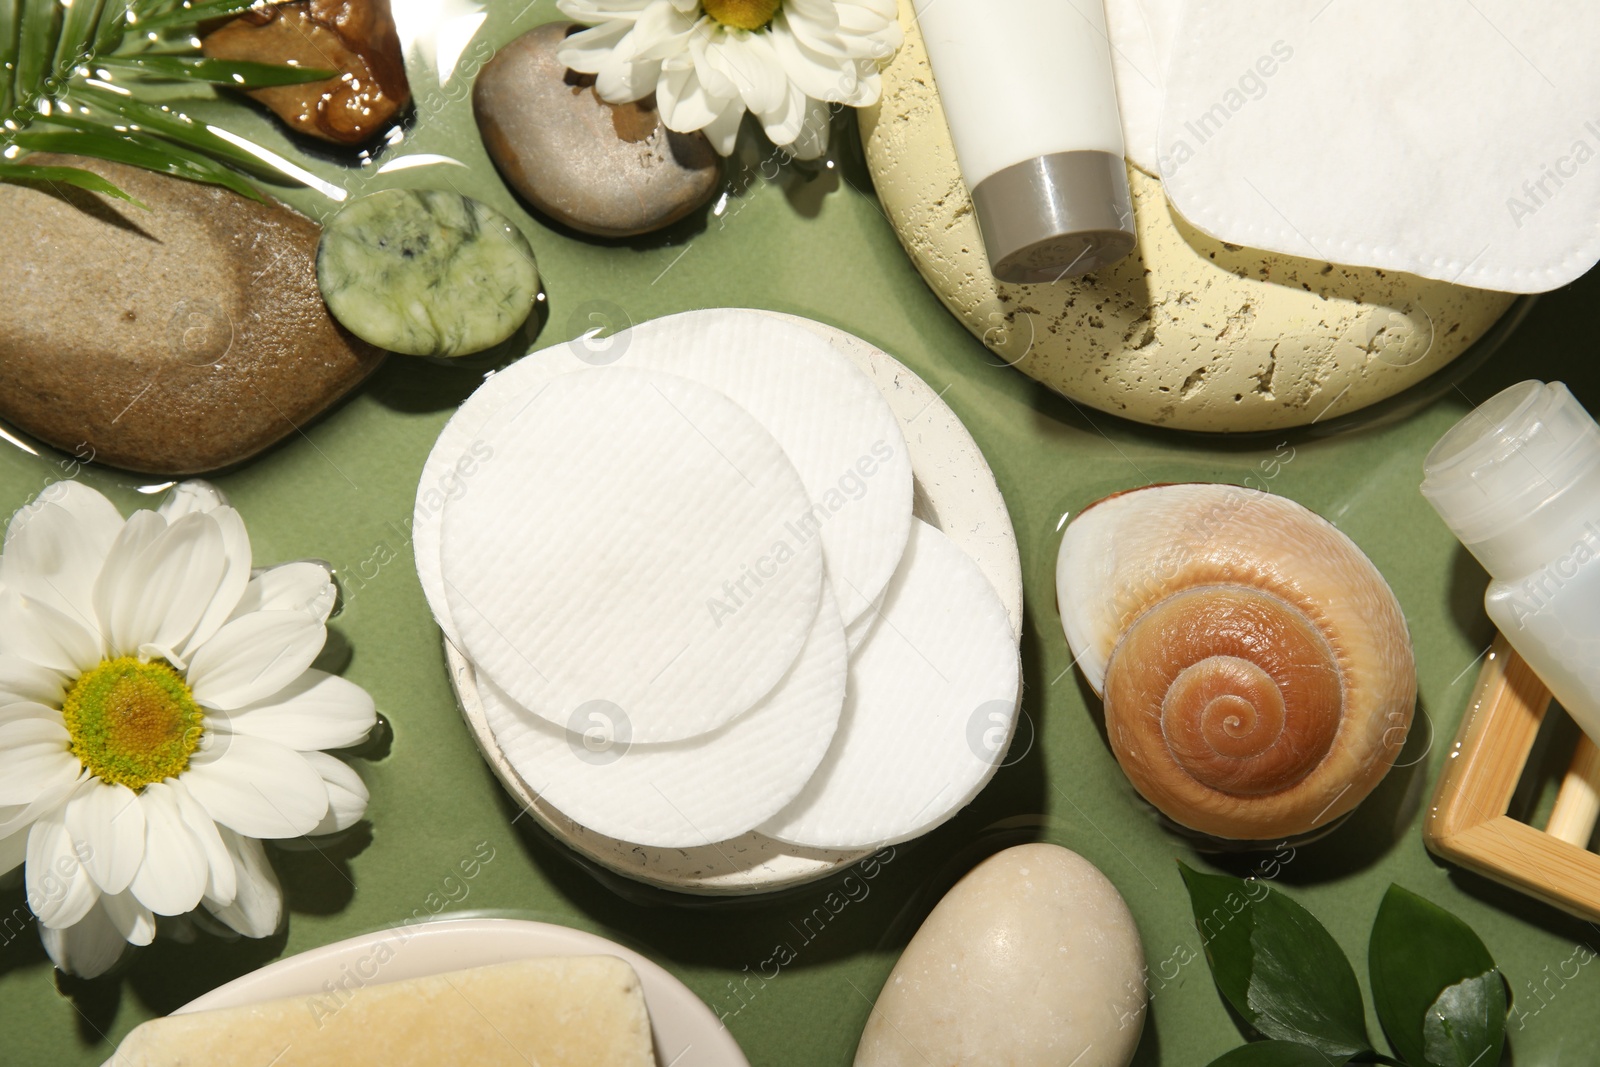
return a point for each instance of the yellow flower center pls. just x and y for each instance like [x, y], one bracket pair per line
[132, 723]
[742, 14]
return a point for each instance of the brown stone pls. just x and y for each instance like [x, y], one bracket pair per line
[355, 37]
[169, 341]
[611, 170]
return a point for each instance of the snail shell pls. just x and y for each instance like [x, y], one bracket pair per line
[1256, 669]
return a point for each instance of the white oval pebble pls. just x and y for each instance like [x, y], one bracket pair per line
[926, 686]
[629, 543]
[1032, 960]
[830, 419]
[684, 794]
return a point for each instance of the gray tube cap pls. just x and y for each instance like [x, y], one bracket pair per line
[1055, 216]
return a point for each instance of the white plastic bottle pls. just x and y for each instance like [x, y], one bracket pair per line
[1518, 481]
[1028, 94]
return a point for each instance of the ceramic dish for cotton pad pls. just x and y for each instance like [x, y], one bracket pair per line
[955, 491]
[832, 423]
[931, 680]
[591, 562]
[688, 793]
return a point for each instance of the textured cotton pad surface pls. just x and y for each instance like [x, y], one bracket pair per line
[628, 544]
[692, 793]
[926, 690]
[830, 419]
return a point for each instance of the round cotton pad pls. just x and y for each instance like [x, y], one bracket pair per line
[830, 419]
[692, 793]
[926, 690]
[628, 543]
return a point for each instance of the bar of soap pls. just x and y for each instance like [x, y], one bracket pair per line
[577, 1011]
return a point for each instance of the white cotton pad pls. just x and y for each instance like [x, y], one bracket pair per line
[926, 690]
[628, 543]
[1451, 141]
[692, 793]
[830, 419]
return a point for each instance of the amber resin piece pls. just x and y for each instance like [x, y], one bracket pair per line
[1256, 668]
[357, 38]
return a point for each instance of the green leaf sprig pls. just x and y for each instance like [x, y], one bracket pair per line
[1440, 998]
[71, 76]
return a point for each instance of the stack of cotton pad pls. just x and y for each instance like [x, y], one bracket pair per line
[684, 568]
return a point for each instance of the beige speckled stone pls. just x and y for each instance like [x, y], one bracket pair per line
[1187, 332]
[171, 341]
[1032, 960]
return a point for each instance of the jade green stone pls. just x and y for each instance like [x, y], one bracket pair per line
[426, 272]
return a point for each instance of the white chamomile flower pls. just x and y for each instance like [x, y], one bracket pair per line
[708, 61]
[159, 718]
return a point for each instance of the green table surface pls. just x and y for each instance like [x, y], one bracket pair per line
[814, 242]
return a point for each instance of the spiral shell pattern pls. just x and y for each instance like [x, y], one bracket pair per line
[1256, 669]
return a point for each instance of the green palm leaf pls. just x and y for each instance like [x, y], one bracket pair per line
[75, 74]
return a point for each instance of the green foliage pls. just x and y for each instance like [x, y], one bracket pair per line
[73, 77]
[1438, 994]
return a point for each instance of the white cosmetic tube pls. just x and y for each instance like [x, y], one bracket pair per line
[1028, 93]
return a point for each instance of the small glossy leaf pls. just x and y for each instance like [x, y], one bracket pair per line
[1465, 1027]
[76, 42]
[1277, 965]
[36, 44]
[1278, 1054]
[239, 73]
[167, 16]
[1417, 953]
[83, 179]
[10, 17]
[137, 151]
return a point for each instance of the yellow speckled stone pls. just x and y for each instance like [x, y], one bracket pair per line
[1187, 332]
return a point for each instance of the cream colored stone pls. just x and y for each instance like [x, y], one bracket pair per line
[1032, 960]
[576, 1011]
[1187, 332]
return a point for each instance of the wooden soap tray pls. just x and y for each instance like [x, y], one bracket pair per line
[1468, 823]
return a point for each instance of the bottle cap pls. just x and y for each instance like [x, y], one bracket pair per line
[1502, 477]
[1055, 216]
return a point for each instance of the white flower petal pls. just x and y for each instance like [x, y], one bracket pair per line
[723, 131]
[135, 923]
[683, 102]
[60, 891]
[812, 140]
[587, 52]
[301, 586]
[258, 788]
[253, 657]
[172, 878]
[315, 711]
[154, 600]
[747, 59]
[88, 949]
[17, 818]
[222, 881]
[13, 851]
[53, 555]
[137, 534]
[107, 822]
[34, 759]
[819, 76]
[37, 632]
[191, 497]
[591, 11]
[23, 681]
[784, 123]
[660, 32]
[235, 580]
[347, 793]
[257, 907]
